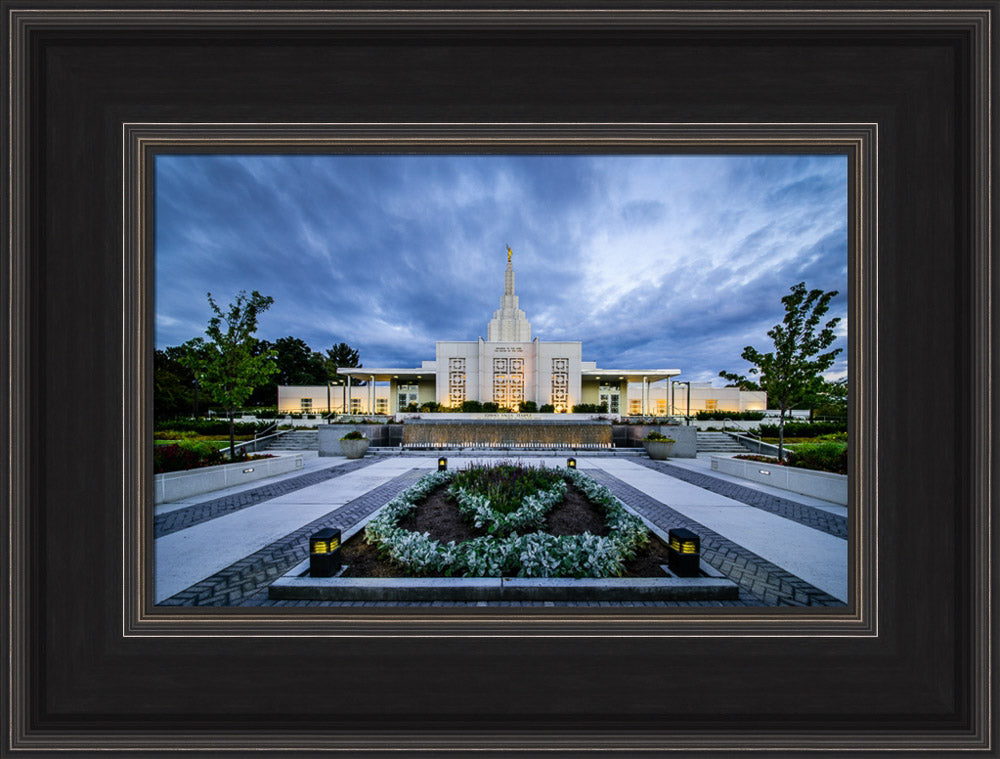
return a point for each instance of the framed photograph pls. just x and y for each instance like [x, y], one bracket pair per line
[120, 116]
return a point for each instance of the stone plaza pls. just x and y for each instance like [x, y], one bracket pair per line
[226, 547]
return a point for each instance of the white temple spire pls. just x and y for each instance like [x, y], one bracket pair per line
[509, 323]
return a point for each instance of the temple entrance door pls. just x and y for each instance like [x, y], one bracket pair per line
[612, 397]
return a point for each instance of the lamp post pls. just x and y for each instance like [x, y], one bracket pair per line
[687, 393]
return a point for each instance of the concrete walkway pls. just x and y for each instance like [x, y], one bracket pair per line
[192, 554]
[184, 557]
[816, 557]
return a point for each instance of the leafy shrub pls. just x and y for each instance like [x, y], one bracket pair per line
[658, 437]
[804, 429]
[825, 456]
[758, 457]
[505, 485]
[185, 454]
[528, 515]
[528, 407]
[547, 408]
[490, 407]
[471, 407]
[718, 416]
[590, 408]
[353, 435]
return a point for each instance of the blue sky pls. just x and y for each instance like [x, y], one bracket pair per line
[654, 262]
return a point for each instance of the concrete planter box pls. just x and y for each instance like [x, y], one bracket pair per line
[298, 585]
[657, 449]
[174, 486]
[379, 436]
[632, 436]
[825, 485]
[355, 449]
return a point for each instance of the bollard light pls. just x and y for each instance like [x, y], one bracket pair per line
[571, 463]
[442, 464]
[684, 554]
[324, 553]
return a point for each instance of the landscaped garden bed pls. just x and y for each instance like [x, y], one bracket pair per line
[438, 517]
[501, 521]
[503, 533]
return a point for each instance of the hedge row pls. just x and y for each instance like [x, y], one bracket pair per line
[210, 426]
[804, 429]
[736, 416]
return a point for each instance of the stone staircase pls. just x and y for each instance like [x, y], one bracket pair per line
[296, 440]
[718, 442]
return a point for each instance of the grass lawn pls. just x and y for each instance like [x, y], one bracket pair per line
[169, 437]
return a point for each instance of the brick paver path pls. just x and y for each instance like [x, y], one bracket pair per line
[810, 516]
[180, 519]
[756, 575]
[251, 574]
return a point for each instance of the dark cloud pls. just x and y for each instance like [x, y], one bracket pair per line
[655, 262]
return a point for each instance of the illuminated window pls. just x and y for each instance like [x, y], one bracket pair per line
[711, 404]
[355, 405]
[456, 381]
[508, 381]
[560, 383]
[306, 404]
[381, 405]
[635, 406]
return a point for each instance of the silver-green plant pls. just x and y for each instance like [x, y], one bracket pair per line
[535, 554]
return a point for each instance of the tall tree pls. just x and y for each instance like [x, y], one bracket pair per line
[174, 384]
[297, 363]
[228, 366]
[791, 373]
[831, 399]
[339, 355]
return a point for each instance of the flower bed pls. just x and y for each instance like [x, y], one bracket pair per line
[504, 552]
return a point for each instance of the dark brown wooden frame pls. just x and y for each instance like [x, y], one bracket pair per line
[906, 669]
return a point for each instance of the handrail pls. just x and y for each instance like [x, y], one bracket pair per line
[256, 440]
[261, 433]
[759, 445]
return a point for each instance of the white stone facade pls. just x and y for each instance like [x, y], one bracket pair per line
[509, 368]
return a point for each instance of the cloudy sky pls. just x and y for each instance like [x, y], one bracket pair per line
[654, 262]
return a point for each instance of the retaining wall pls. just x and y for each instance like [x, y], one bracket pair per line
[825, 485]
[173, 486]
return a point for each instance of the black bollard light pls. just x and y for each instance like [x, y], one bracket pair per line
[324, 553]
[442, 464]
[571, 463]
[684, 554]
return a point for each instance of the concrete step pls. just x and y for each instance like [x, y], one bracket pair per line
[718, 442]
[304, 440]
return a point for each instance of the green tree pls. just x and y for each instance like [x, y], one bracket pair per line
[228, 365]
[297, 363]
[791, 373]
[831, 400]
[174, 384]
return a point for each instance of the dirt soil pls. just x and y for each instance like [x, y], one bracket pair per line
[439, 516]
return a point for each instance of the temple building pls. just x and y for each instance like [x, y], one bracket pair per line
[508, 368]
